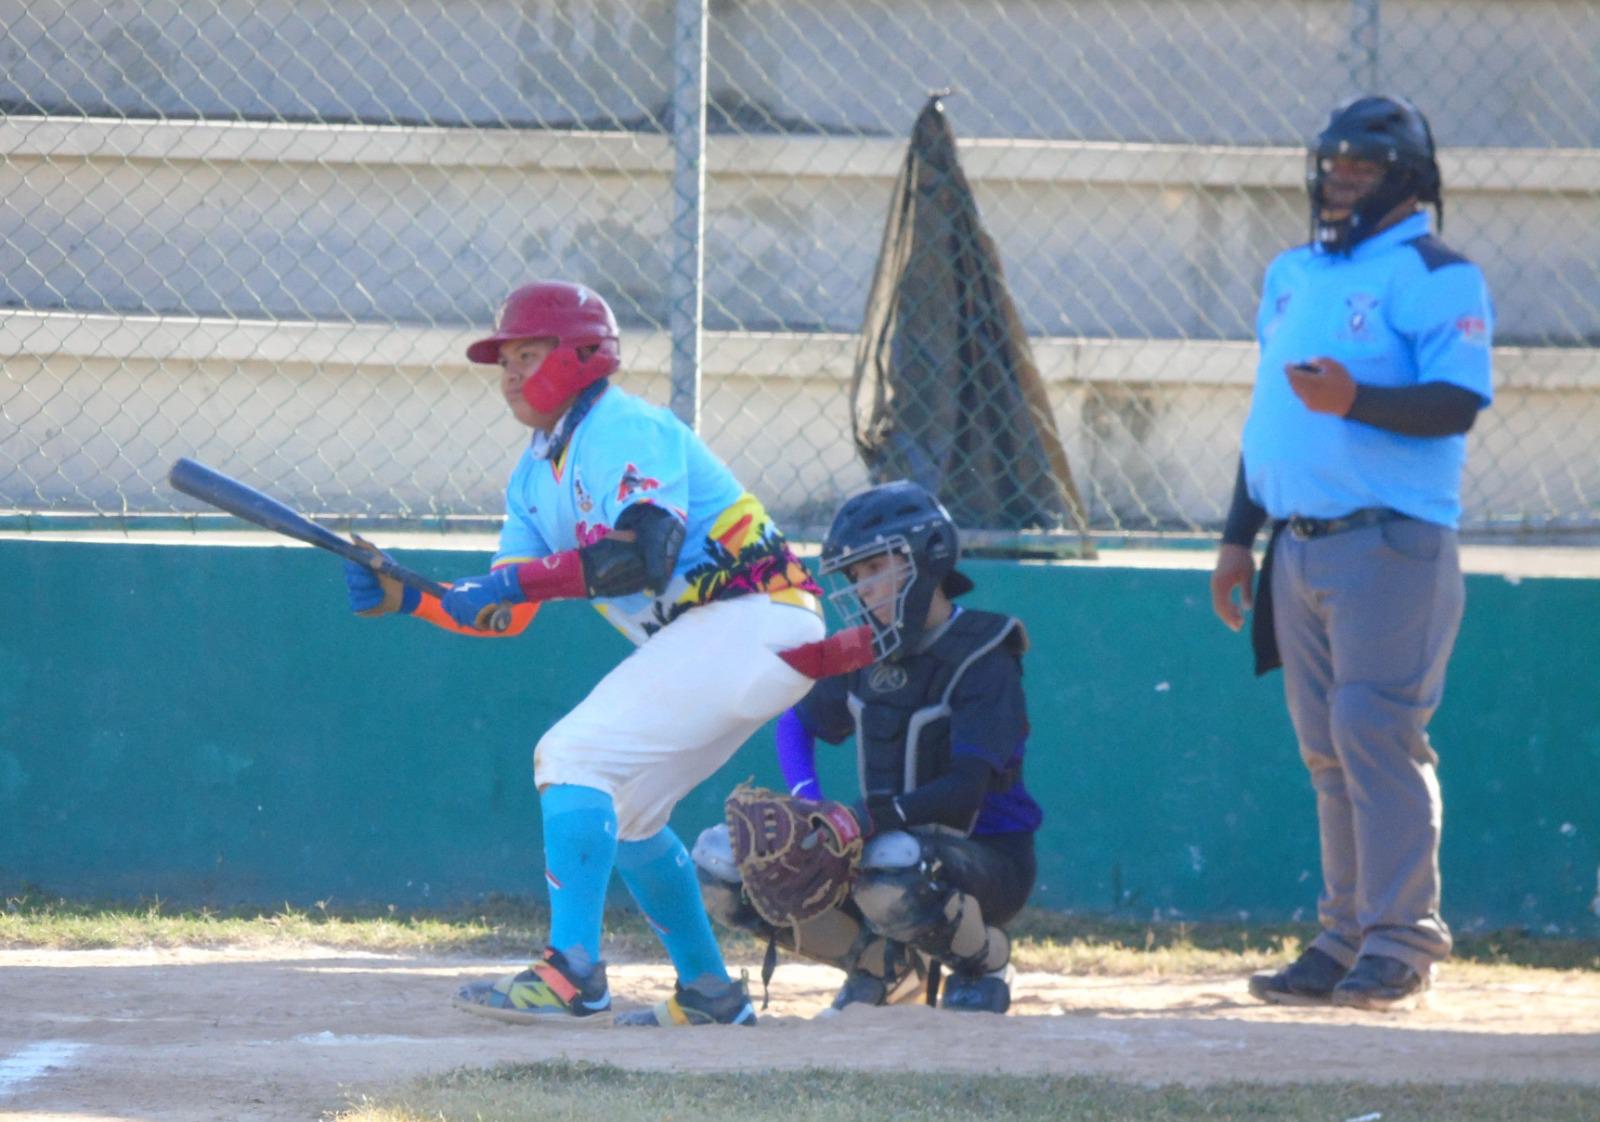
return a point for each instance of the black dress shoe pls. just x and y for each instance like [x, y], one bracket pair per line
[1377, 981]
[1308, 980]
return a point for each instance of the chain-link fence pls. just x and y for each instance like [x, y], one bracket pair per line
[259, 234]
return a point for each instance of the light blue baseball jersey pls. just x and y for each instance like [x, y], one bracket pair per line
[624, 451]
[1402, 309]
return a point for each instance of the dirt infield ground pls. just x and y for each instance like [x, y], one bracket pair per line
[279, 1034]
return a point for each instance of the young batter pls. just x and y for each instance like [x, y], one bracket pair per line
[616, 501]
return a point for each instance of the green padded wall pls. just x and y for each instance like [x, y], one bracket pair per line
[207, 723]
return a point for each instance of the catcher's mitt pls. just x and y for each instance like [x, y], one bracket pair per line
[797, 857]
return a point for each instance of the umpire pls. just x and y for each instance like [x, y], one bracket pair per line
[1374, 361]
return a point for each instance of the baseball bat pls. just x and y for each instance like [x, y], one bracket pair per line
[239, 499]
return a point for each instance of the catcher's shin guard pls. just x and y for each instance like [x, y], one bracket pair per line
[901, 897]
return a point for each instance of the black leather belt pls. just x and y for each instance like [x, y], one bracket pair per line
[1307, 528]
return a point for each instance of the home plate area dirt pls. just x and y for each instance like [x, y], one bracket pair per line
[277, 1034]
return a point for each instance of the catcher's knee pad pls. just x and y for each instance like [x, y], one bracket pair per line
[713, 854]
[720, 886]
[894, 890]
[960, 939]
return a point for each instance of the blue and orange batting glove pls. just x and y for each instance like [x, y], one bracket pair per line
[472, 601]
[373, 594]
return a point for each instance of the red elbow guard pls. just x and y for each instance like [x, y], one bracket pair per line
[839, 653]
[557, 577]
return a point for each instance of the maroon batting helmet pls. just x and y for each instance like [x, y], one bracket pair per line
[576, 317]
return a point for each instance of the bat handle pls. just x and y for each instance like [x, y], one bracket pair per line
[494, 617]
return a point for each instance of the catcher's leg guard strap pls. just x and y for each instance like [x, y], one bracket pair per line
[973, 947]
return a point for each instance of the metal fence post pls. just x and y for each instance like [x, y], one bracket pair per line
[1364, 31]
[687, 300]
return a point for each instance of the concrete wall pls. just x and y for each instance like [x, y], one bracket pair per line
[315, 222]
[207, 722]
[1496, 72]
[371, 421]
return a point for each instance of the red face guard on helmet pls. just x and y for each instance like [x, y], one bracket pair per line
[578, 320]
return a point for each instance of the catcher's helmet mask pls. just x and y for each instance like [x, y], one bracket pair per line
[1388, 131]
[905, 522]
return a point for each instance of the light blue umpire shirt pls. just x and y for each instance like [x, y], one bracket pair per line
[1402, 309]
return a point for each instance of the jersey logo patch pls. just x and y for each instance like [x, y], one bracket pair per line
[886, 677]
[1474, 330]
[585, 502]
[1361, 308]
[633, 481]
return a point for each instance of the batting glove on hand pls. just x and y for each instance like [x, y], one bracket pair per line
[472, 601]
[373, 594]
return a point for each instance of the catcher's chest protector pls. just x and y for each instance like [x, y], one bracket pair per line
[902, 707]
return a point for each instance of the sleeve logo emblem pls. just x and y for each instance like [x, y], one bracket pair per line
[633, 482]
[1473, 329]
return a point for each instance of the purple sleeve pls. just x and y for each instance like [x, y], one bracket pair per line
[797, 756]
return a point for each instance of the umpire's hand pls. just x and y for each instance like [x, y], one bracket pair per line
[1323, 385]
[1235, 568]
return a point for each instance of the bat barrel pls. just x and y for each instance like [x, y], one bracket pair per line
[243, 501]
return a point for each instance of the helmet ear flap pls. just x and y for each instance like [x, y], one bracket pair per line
[940, 549]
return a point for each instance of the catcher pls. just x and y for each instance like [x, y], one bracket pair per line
[944, 826]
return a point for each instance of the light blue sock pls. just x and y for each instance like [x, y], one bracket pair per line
[661, 877]
[580, 849]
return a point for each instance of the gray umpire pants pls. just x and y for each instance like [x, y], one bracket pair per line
[1365, 622]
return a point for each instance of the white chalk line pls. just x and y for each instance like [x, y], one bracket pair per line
[30, 1063]
[325, 1038]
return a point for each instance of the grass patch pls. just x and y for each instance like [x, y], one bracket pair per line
[563, 1090]
[496, 928]
[1077, 944]
[502, 927]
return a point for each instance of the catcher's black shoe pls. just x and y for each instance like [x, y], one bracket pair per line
[978, 993]
[548, 990]
[1379, 982]
[1308, 980]
[690, 1005]
[862, 988]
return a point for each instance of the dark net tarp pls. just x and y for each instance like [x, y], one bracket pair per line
[945, 390]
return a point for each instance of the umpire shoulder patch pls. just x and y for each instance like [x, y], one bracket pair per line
[1435, 254]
